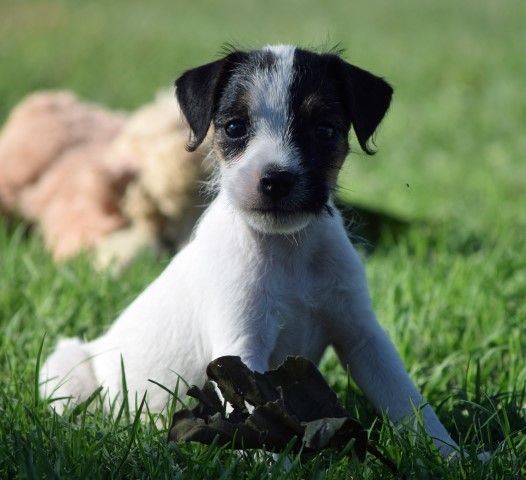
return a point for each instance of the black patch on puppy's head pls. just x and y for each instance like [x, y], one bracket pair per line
[363, 98]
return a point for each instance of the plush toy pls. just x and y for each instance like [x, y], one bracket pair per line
[94, 179]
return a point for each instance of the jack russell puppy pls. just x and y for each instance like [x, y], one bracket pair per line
[270, 271]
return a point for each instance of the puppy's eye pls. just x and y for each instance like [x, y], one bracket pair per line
[236, 128]
[324, 131]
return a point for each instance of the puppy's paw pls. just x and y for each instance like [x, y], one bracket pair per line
[456, 456]
[484, 456]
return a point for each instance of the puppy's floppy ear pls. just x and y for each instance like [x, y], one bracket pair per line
[198, 91]
[368, 99]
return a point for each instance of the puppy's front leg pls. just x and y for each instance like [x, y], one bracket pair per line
[373, 361]
[378, 370]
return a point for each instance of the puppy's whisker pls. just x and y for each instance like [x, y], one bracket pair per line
[329, 210]
[292, 239]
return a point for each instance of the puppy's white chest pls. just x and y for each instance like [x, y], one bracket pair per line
[267, 296]
[285, 308]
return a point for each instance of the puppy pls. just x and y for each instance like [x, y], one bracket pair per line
[270, 271]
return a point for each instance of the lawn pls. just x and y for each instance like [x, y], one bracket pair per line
[450, 287]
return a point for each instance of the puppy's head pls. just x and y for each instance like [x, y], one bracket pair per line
[281, 118]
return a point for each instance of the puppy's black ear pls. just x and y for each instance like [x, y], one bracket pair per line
[198, 91]
[368, 98]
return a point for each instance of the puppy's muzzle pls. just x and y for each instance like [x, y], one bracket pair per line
[276, 184]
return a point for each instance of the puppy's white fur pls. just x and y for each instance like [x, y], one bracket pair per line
[252, 287]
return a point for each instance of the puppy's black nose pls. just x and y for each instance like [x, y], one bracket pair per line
[276, 184]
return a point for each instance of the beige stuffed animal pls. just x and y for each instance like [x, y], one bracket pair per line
[95, 179]
[165, 199]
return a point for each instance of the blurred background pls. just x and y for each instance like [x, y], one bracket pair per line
[452, 146]
[450, 164]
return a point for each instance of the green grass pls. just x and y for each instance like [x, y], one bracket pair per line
[450, 290]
